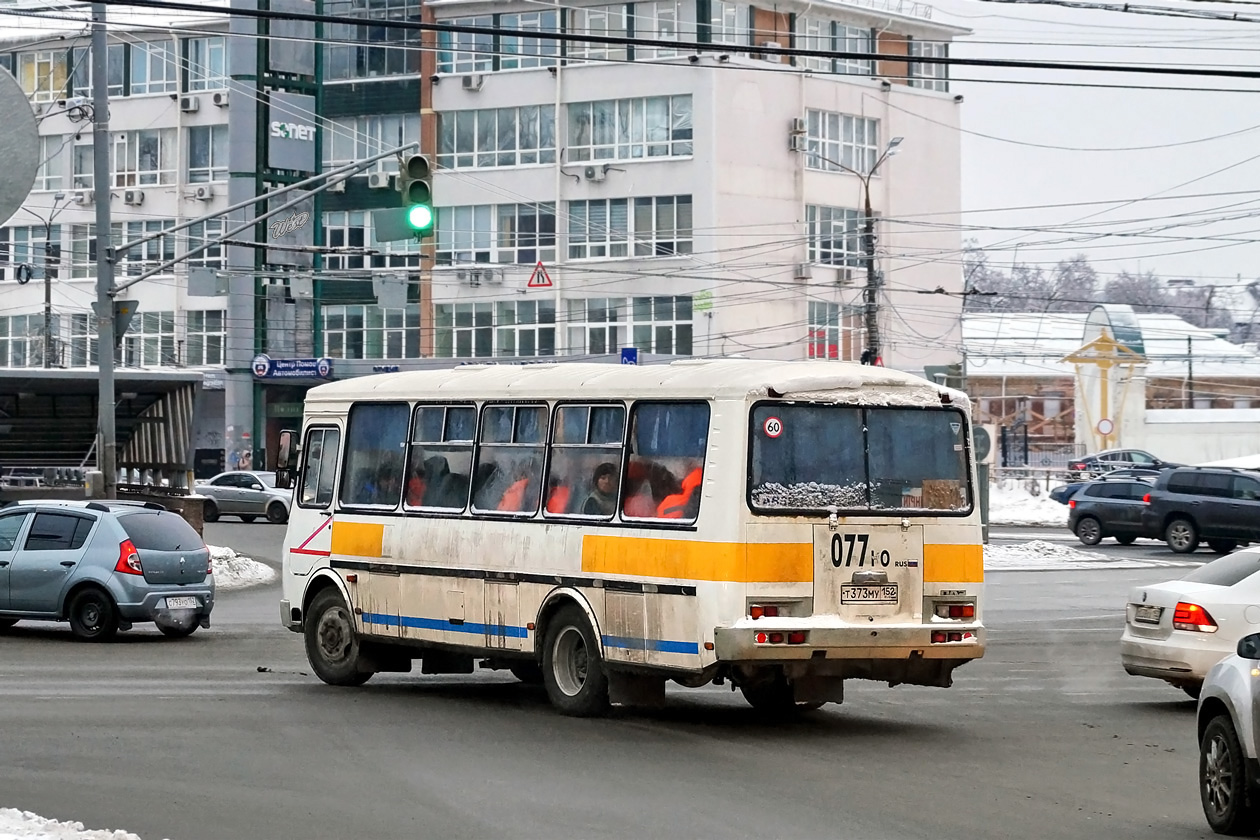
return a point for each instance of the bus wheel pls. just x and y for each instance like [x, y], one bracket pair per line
[332, 646]
[573, 671]
[774, 696]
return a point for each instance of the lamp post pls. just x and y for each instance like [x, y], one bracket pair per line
[870, 355]
[48, 225]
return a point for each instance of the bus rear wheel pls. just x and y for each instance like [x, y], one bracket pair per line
[774, 696]
[573, 670]
[332, 646]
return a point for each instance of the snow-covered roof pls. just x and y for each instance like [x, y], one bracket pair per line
[1032, 344]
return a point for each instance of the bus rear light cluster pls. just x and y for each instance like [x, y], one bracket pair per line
[764, 611]
[956, 610]
[795, 637]
[940, 637]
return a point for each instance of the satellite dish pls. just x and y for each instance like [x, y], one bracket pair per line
[19, 146]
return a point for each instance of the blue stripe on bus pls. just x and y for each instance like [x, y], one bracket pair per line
[444, 624]
[661, 645]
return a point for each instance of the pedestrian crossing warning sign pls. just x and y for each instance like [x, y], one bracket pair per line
[540, 279]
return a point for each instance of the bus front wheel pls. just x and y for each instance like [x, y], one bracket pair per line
[332, 646]
[573, 670]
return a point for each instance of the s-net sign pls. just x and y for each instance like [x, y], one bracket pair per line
[291, 132]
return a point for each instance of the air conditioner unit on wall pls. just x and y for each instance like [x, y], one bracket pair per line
[844, 276]
[189, 104]
[473, 82]
[798, 143]
[337, 186]
[203, 192]
[804, 271]
[220, 99]
[82, 197]
[774, 45]
[133, 197]
[595, 173]
[798, 125]
[379, 180]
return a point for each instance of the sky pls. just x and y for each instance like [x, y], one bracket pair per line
[1142, 140]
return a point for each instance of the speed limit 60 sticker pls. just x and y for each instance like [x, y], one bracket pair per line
[773, 427]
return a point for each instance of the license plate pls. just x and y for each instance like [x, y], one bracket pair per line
[182, 603]
[868, 593]
[1148, 615]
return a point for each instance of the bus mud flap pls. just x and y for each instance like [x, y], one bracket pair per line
[818, 689]
[636, 690]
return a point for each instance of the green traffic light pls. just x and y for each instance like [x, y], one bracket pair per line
[420, 217]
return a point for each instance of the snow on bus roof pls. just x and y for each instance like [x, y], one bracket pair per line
[730, 378]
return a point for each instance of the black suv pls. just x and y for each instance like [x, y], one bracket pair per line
[1108, 508]
[1217, 505]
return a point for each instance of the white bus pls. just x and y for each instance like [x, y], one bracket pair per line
[781, 526]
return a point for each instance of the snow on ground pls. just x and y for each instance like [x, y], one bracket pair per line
[23, 825]
[234, 571]
[1010, 503]
[1040, 555]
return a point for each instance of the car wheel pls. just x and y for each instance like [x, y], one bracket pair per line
[573, 671]
[210, 512]
[1194, 689]
[276, 514]
[1088, 530]
[1125, 540]
[1223, 781]
[248, 517]
[332, 646]
[6, 623]
[1222, 546]
[1181, 536]
[529, 673]
[178, 632]
[93, 616]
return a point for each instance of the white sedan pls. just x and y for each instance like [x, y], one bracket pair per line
[1176, 631]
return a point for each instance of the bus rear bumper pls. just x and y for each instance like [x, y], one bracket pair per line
[744, 643]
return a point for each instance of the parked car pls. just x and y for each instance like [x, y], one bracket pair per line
[1229, 756]
[103, 566]
[1064, 492]
[1115, 459]
[248, 495]
[1108, 508]
[1217, 505]
[1176, 631]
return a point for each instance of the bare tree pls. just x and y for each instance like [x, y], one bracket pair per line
[1144, 292]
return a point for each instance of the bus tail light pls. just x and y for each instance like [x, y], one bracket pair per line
[764, 611]
[128, 559]
[942, 636]
[797, 638]
[794, 638]
[956, 610]
[1193, 617]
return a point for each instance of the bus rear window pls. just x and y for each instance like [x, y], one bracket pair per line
[811, 458]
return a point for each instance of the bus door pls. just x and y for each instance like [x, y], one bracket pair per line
[310, 520]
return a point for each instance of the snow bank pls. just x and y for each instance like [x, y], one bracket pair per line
[1247, 462]
[234, 571]
[23, 825]
[1010, 503]
[1040, 555]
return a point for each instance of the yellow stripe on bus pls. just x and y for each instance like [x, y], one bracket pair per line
[694, 560]
[357, 539]
[953, 563]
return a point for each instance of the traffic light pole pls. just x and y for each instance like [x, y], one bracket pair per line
[107, 440]
[871, 355]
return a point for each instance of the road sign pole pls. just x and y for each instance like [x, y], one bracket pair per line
[107, 441]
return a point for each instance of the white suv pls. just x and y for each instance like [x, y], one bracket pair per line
[1229, 769]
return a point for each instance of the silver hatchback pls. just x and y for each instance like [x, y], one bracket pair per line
[103, 566]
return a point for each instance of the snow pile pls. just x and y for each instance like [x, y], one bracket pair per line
[1040, 555]
[23, 825]
[1010, 503]
[234, 571]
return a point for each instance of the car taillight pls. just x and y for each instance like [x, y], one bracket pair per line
[209, 564]
[128, 559]
[1071, 504]
[1193, 617]
[1078, 465]
[764, 610]
[1146, 499]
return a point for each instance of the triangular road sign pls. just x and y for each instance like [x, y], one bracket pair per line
[540, 279]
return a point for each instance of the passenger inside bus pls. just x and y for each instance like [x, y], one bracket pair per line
[558, 496]
[686, 503]
[602, 500]
[416, 486]
[522, 493]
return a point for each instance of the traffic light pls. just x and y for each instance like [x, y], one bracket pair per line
[415, 182]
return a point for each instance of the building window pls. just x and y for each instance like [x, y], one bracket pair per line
[929, 76]
[371, 332]
[834, 234]
[150, 340]
[658, 21]
[27, 248]
[81, 71]
[652, 324]
[350, 139]
[144, 158]
[829, 36]
[516, 52]
[840, 142]
[141, 258]
[207, 153]
[83, 162]
[728, 23]
[82, 251]
[519, 328]
[497, 137]
[205, 336]
[22, 340]
[52, 162]
[153, 68]
[630, 129]
[609, 21]
[601, 229]
[369, 51]
[207, 63]
[855, 39]
[82, 339]
[352, 230]
[198, 234]
[467, 52]
[43, 74]
[815, 34]
[835, 331]
[507, 233]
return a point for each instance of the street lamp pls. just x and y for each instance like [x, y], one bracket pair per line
[48, 224]
[870, 355]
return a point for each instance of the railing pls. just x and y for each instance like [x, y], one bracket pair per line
[897, 7]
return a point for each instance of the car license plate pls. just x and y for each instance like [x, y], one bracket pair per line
[182, 603]
[1147, 614]
[868, 593]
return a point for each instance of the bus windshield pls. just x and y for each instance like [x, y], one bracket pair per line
[812, 458]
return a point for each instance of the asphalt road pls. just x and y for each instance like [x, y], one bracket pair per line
[188, 739]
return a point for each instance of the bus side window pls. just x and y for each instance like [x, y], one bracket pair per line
[373, 472]
[319, 467]
[440, 457]
[665, 470]
[585, 465]
[510, 459]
